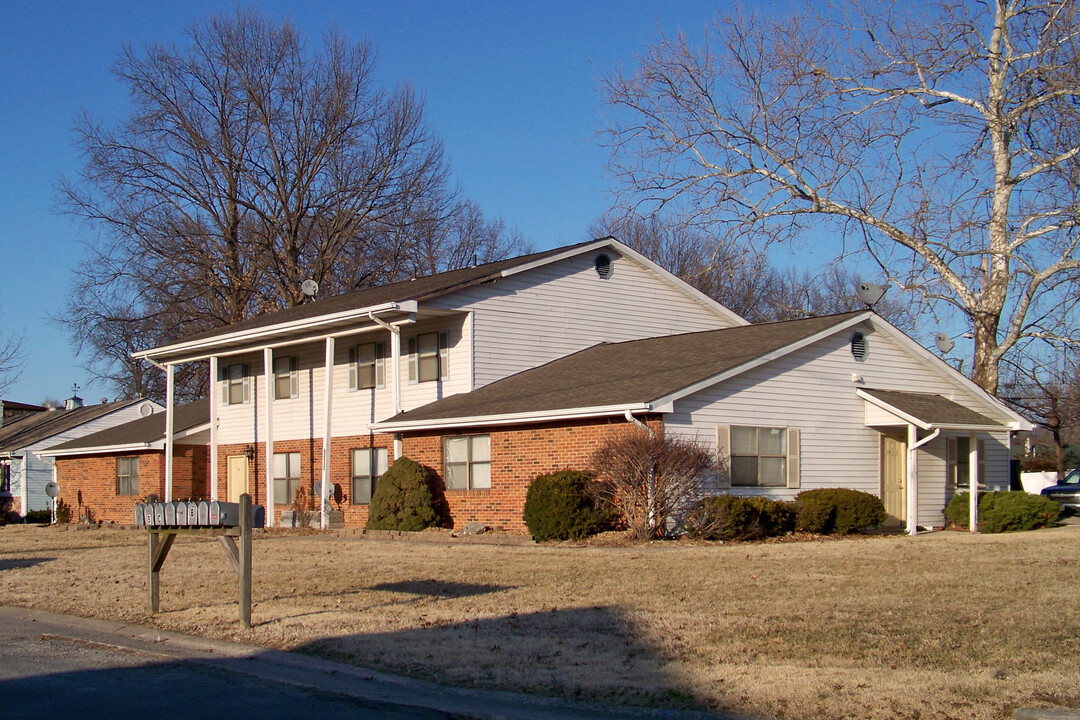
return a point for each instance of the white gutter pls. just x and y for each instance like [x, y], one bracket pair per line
[645, 428]
[408, 306]
[526, 417]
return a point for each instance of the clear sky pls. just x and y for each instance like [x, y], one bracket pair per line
[510, 87]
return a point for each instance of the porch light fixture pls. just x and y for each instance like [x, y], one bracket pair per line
[249, 452]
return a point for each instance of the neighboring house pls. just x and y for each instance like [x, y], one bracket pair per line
[493, 374]
[402, 346]
[23, 470]
[11, 410]
[106, 473]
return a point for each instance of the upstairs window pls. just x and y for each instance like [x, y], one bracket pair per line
[286, 377]
[468, 462]
[428, 357]
[235, 385]
[367, 366]
[127, 476]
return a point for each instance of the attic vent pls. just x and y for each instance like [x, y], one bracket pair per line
[603, 266]
[858, 346]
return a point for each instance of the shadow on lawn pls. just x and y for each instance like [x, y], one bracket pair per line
[20, 563]
[592, 653]
[439, 588]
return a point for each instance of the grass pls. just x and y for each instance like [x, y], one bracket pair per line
[948, 625]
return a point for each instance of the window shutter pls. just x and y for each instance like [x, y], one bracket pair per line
[354, 379]
[723, 456]
[247, 384]
[793, 457]
[223, 378]
[444, 356]
[294, 376]
[950, 460]
[380, 365]
[412, 360]
[981, 463]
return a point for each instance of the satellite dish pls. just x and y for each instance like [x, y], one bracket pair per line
[52, 488]
[309, 287]
[329, 491]
[944, 343]
[870, 293]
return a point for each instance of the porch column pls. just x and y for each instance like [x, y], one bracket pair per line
[973, 482]
[913, 481]
[268, 375]
[214, 399]
[324, 521]
[170, 380]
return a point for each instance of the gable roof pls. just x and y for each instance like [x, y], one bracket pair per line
[31, 429]
[926, 409]
[403, 296]
[144, 431]
[612, 377]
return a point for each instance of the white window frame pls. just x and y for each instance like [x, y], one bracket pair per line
[957, 463]
[285, 486]
[376, 466]
[235, 376]
[476, 478]
[132, 474]
[441, 356]
[362, 371]
[286, 373]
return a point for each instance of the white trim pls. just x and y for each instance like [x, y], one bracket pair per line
[170, 418]
[758, 361]
[511, 418]
[214, 399]
[268, 375]
[407, 306]
[126, 447]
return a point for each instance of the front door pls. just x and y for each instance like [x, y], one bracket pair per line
[894, 477]
[237, 477]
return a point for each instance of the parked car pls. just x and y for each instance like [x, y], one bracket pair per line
[1066, 492]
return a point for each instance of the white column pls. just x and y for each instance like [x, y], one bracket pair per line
[913, 481]
[170, 379]
[324, 522]
[268, 375]
[973, 482]
[395, 362]
[215, 398]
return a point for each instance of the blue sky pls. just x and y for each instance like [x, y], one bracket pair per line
[509, 86]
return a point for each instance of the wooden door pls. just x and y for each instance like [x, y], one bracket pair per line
[237, 477]
[894, 476]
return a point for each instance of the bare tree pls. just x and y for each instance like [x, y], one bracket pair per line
[1048, 393]
[740, 278]
[941, 139]
[247, 164]
[649, 477]
[12, 359]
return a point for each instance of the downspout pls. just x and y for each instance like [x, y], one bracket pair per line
[913, 476]
[651, 497]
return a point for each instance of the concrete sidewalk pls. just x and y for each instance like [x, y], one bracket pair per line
[323, 675]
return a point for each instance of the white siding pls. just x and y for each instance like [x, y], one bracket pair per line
[812, 389]
[539, 315]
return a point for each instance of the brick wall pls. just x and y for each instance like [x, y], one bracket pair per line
[93, 479]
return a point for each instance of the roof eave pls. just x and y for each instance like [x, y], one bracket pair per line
[513, 418]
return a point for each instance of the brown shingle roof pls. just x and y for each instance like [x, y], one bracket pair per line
[142, 430]
[626, 373]
[418, 289]
[31, 429]
[931, 409]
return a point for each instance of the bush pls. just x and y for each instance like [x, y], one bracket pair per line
[564, 506]
[838, 510]
[1004, 511]
[38, 517]
[63, 512]
[404, 499]
[730, 517]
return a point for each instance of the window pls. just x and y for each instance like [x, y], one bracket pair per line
[428, 357]
[236, 385]
[367, 465]
[759, 456]
[127, 476]
[367, 366]
[286, 377]
[956, 451]
[5, 477]
[468, 462]
[286, 477]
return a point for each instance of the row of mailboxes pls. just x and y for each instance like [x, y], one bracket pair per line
[195, 513]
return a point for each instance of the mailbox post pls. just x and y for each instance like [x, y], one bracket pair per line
[227, 521]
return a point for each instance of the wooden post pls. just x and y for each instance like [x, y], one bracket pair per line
[245, 560]
[159, 550]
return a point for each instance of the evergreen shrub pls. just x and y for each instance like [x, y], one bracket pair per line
[563, 506]
[838, 510]
[731, 517]
[404, 499]
[1004, 511]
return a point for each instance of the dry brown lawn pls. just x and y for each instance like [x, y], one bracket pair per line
[947, 625]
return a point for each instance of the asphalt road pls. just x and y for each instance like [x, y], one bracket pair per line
[46, 676]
